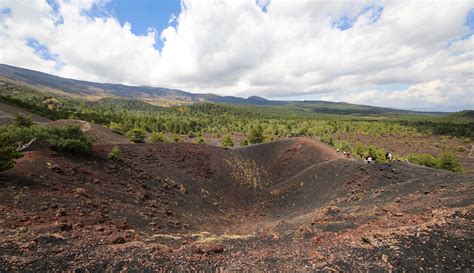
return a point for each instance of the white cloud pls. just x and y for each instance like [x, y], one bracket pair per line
[434, 94]
[235, 48]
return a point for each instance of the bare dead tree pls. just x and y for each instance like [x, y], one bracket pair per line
[25, 146]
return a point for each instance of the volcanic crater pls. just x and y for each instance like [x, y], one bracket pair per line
[292, 204]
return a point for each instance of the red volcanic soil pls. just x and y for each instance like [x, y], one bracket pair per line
[288, 205]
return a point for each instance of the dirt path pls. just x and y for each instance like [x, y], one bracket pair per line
[304, 171]
[100, 134]
[85, 126]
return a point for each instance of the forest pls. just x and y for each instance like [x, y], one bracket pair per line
[138, 119]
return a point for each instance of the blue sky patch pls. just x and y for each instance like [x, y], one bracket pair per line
[40, 49]
[96, 11]
[470, 24]
[55, 7]
[470, 19]
[374, 13]
[263, 4]
[5, 12]
[146, 14]
[345, 22]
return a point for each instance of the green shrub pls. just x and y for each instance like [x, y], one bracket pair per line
[359, 150]
[70, 139]
[376, 152]
[116, 127]
[328, 140]
[7, 157]
[227, 142]
[13, 135]
[177, 139]
[256, 135]
[114, 153]
[344, 146]
[362, 151]
[136, 135]
[200, 140]
[23, 121]
[423, 159]
[191, 134]
[244, 142]
[158, 138]
[448, 161]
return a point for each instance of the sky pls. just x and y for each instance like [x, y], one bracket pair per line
[403, 54]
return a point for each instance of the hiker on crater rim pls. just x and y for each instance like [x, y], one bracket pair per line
[388, 156]
[369, 160]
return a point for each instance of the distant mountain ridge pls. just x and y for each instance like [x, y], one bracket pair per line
[85, 88]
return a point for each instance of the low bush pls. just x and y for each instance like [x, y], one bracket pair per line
[423, 159]
[7, 157]
[23, 121]
[116, 127]
[256, 135]
[69, 139]
[200, 140]
[136, 135]
[14, 138]
[114, 153]
[227, 142]
[177, 139]
[446, 161]
[158, 138]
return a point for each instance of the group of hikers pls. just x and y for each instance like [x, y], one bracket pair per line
[369, 159]
[346, 154]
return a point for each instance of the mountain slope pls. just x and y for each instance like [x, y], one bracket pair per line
[84, 88]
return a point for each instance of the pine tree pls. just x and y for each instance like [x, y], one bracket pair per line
[256, 135]
[227, 142]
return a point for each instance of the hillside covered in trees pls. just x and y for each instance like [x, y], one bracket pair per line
[245, 124]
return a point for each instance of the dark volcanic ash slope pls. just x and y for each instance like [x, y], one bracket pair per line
[289, 205]
[7, 114]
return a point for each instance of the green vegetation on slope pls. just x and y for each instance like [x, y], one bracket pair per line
[15, 138]
[446, 161]
[260, 124]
